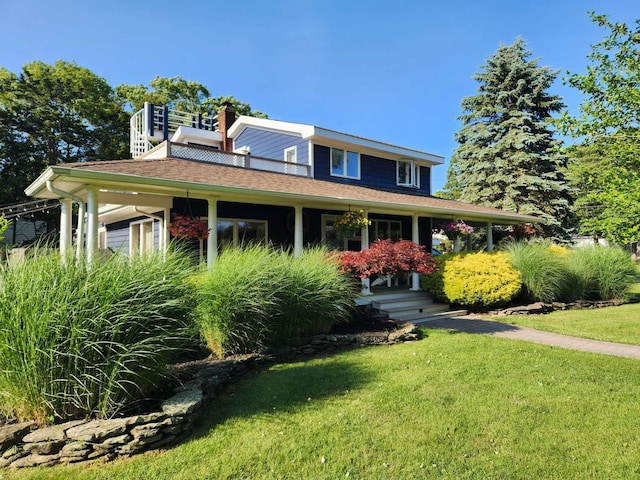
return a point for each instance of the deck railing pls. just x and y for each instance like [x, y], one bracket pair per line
[210, 155]
[156, 123]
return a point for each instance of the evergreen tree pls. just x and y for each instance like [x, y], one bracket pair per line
[507, 156]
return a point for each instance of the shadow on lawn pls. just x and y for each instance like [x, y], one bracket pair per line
[283, 387]
[466, 325]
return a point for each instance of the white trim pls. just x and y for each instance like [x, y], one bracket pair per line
[290, 165]
[138, 232]
[102, 238]
[311, 157]
[345, 156]
[345, 140]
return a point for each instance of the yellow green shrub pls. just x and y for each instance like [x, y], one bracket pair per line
[474, 279]
[558, 250]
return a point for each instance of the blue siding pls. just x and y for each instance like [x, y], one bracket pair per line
[269, 144]
[118, 234]
[375, 172]
[118, 238]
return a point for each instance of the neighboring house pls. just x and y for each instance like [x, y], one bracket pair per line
[253, 179]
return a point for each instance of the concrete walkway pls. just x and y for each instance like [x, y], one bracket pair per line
[504, 330]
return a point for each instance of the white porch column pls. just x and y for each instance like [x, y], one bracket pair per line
[92, 223]
[80, 230]
[364, 235]
[298, 230]
[415, 238]
[65, 226]
[212, 239]
[489, 237]
[164, 233]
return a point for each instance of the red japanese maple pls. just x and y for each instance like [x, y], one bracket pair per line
[385, 257]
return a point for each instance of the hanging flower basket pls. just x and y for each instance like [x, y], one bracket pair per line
[188, 228]
[457, 229]
[351, 222]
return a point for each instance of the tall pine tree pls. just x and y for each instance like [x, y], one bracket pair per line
[507, 156]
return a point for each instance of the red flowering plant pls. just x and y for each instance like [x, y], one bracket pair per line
[187, 227]
[524, 231]
[385, 257]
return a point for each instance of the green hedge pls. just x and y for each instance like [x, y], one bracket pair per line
[256, 297]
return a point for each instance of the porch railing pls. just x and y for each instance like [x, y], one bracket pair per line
[209, 155]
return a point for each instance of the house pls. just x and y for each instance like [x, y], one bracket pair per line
[253, 179]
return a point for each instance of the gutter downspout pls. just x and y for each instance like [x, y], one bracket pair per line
[81, 209]
[161, 222]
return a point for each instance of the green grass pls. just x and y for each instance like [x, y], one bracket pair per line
[452, 406]
[611, 324]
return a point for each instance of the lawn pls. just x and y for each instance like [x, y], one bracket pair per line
[612, 324]
[452, 406]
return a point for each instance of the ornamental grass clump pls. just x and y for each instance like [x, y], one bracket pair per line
[474, 279]
[544, 272]
[90, 341]
[257, 296]
[602, 273]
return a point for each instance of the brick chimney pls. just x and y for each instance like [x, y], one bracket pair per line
[226, 117]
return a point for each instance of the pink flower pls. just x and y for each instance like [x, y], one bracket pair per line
[187, 227]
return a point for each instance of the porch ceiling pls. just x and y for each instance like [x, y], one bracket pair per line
[175, 177]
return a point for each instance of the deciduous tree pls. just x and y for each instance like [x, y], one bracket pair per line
[52, 114]
[605, 166]
[180, 94]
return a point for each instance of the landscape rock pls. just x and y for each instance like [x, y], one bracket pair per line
[35, 460]
[44, 448]
[183, 403]
[97, 430]
[13, 434]
[51, 434]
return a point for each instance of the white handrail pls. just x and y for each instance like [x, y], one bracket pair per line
[140, 126]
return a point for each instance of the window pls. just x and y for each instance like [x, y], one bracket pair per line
[345, 163]
[233, 232]
[333, 241]
[408, 173]
[387, 229]
[290, 159]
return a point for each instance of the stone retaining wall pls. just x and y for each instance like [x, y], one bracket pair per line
[22, 445]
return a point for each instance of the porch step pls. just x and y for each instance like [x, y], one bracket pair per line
[409, 306]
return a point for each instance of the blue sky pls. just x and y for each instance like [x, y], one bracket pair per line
[391, 71]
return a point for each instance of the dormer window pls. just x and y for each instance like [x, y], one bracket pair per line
[345, 164]
[408, 174]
